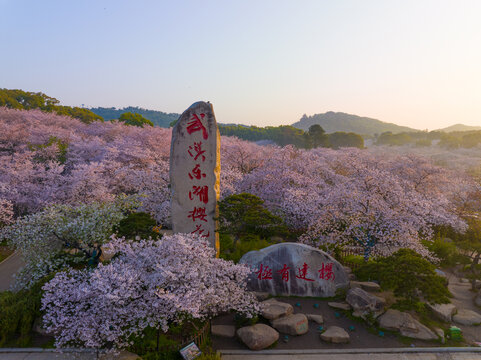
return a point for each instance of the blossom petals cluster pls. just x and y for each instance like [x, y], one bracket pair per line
[149, 283]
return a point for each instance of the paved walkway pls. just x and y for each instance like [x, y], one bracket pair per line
[357, 354]
[47, 354]
[8, 267]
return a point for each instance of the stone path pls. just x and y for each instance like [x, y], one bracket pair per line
[463, 299]
[47, 354]
[357, 354]
[7, 268]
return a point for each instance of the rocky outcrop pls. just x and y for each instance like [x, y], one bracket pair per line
[273, 309]
[336, 335]
[443, 312]
[294, 269]
[365, 304]
[406, 325]
[467, 317]
[258, 336]
[366, 285]
[295, 324]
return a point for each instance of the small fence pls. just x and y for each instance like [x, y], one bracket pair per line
[347, 251]
[200, 337]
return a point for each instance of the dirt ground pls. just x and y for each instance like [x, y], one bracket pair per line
[361, 336]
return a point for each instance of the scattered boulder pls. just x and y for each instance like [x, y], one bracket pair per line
[366, 285]
[223, 330]
[351, 276]
[477, 284]
[340, 305]
[258, 336]
[395, 320]
[318, 319]
[336, 335]
[464, 281]
[294, 269]
[295, 324]
[365, 304]
[273, 309]
[443, 312]
[422, 333]
[404, 323]
[467, 317]
[347, 269]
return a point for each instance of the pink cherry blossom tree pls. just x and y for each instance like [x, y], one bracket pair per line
[149, 284]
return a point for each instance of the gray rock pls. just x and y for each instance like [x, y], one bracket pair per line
[422, 332]
[318, 319]
[351, 276]
[443, 312]
[477, 299]
[440, 333]
[464, 281]
[294, 324]
[347, 269]
[366, 285]
[365, 304]
[467, 317]
[261, 296]
[339, 305]
[395, 320]
[294, 269]
[223, 330]
[336, 335]
[273, 309]
[195, 144]
[258, 336]
[477, 284]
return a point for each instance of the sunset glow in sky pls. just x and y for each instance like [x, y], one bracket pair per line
[414, 63]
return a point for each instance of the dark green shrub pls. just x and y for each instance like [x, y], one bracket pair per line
[409, 276]
[18, 311]
[446, 251]
[245, 244]
[137, 224]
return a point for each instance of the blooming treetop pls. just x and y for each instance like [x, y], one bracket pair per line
[40, 237]
[150, 283]
[397, 198]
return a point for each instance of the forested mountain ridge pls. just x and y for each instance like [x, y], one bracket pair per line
[159, 118]
[460, 127]
[338, 121]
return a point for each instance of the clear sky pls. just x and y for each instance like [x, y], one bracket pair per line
[263, 62]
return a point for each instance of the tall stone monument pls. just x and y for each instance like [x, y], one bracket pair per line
[195, 173]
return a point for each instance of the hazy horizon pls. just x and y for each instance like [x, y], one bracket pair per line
[264, 63]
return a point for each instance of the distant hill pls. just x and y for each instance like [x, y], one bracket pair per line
[460, 127]
[159, 118]
[338, 121]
